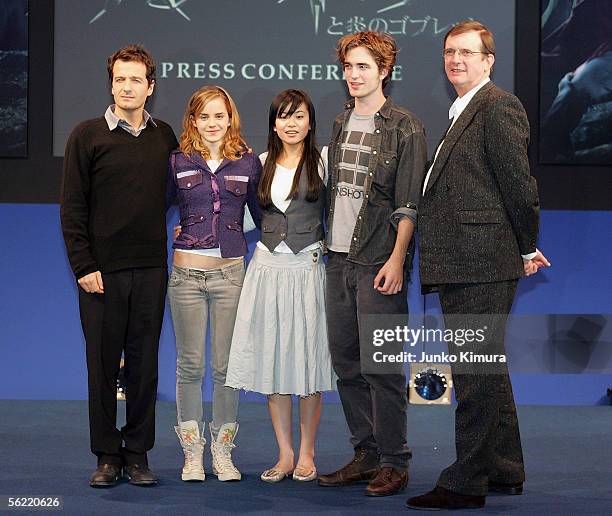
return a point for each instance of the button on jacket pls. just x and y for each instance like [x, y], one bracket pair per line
[211, 204]
[392, 188]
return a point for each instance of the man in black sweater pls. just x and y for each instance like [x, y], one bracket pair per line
[113, 221]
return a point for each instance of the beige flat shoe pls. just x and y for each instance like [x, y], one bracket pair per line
[304, 475]
[273, 476]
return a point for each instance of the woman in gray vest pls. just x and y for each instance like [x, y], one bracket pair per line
[279, 346]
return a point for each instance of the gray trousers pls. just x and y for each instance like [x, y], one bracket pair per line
[374, 404]
[195, 297]
[487, 439]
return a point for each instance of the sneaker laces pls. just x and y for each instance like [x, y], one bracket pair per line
[223, 455]
[189, 458]
[190, 453]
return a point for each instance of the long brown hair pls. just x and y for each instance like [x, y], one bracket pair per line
[233, 144]
[284, 105]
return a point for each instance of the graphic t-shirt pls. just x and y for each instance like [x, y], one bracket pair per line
[355, 150]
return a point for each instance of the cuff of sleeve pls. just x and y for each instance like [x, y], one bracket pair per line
[530, 256]
[84, 268]
[403, 212]
[84, 272]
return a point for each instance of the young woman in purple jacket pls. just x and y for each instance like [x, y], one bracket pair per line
[212, 175]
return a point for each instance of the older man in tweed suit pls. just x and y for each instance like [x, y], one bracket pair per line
[478, 224]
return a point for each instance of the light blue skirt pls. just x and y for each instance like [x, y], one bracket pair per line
[280, 342]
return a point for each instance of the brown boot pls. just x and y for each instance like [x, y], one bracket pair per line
[388, 481]
[362, 468]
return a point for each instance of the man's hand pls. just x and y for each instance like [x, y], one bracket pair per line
[92, 283]
[529, 267]
[535, 264]
[540, 260]
[391, 275]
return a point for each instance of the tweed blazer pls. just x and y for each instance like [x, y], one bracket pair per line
[480, 210]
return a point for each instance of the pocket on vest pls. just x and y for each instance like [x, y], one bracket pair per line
[307, 228]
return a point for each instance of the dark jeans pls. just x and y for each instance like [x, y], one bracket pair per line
[374, 404]
[127, 317]
[487, 438]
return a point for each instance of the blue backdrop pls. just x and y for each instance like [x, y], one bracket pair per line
[42, 348]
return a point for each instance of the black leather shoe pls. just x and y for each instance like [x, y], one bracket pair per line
[508, 489]
[441, 498]
[387, 482]
[362, 468]
[140, 475]
[106, 475]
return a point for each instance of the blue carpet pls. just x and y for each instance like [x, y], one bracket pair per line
[44, 447]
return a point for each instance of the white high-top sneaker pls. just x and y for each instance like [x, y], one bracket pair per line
[193, 448]
[221, 449]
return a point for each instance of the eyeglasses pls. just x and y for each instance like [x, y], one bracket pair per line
[466, 53]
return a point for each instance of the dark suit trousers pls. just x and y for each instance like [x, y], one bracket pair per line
[127, 317]
[487, 438]
[374, 404]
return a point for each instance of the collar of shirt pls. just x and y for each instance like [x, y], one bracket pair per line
[384, 111]
[461, 102]
[113, 120]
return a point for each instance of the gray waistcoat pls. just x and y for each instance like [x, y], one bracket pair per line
[300, 226]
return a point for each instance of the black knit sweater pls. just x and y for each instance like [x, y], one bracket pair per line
[113, 197]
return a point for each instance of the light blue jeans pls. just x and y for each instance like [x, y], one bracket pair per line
[195, 296]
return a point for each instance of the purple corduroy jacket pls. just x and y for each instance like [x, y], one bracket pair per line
[212, 205]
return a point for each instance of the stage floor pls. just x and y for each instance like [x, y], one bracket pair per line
[44, 447]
